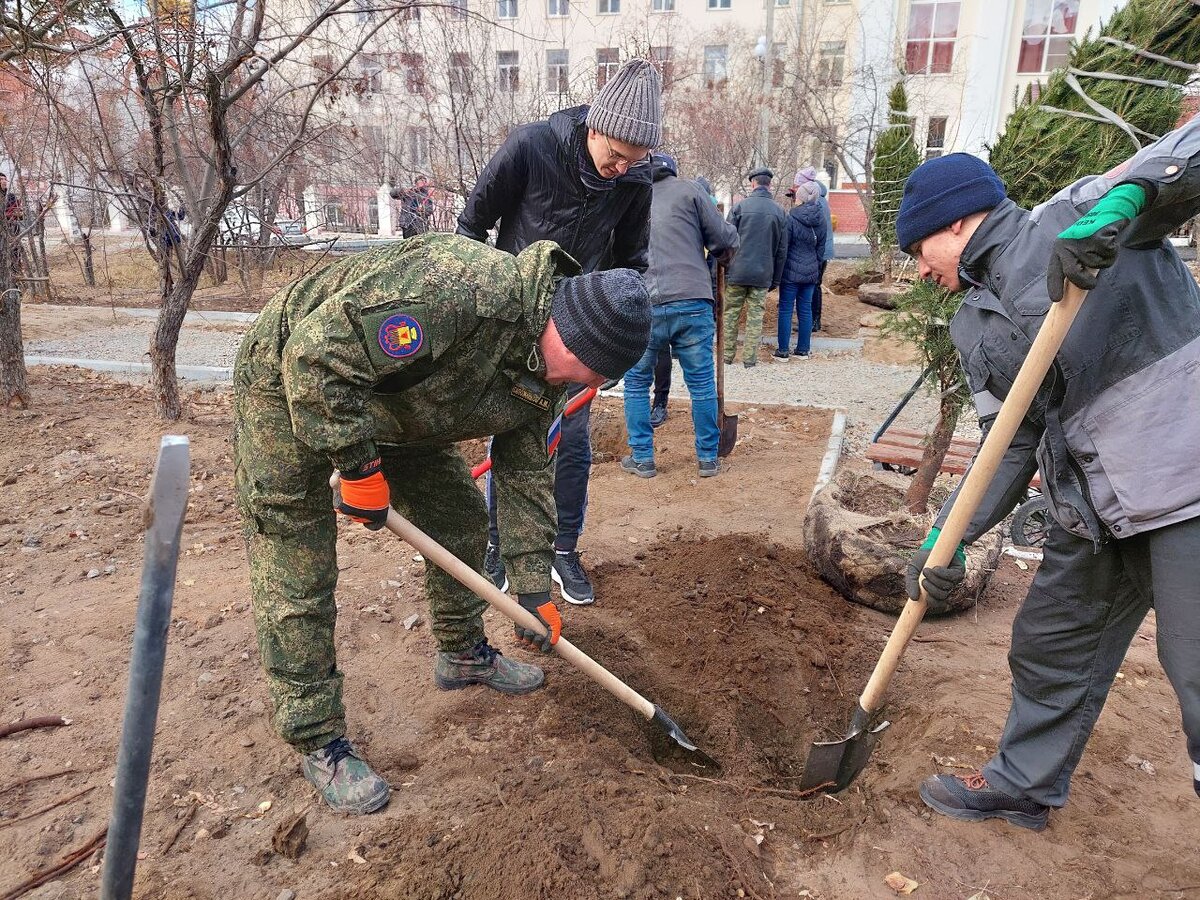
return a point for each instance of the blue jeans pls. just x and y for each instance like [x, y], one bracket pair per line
[799, 297]
[686, 327]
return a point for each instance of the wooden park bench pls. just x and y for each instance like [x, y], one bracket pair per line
[903, 448]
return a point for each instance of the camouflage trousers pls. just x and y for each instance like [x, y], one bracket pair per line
[290, 526]
[753, 299]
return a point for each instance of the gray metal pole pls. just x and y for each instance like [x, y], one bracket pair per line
[165, 512]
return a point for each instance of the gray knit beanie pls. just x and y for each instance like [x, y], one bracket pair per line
[629, 106]
[604, 319]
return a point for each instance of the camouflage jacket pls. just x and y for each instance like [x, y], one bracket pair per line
[426, 342]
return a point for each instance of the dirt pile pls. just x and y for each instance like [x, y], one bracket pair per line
[735, 638]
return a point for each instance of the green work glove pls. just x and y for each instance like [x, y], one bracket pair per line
[940, 581]
[1092, 242]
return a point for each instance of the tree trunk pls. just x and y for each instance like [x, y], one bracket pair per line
[887, 261]
[14, 387]
[89, 263]
[916, 499]
[163, 379]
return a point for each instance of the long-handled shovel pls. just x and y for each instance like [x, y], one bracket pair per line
[497, 599]
[728, 424]
[834, 764]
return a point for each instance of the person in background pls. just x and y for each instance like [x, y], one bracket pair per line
[416, 207]
[809, 174]
[762, 228]
[684, 226]
[807, 228]
[581, 179]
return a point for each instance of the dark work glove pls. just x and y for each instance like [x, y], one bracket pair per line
[940, 581]
[1093, 241]
[365, 495]
[543, 608]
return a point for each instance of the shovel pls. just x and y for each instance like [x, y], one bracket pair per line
[832, 765]
[728, 424]
[484, 589]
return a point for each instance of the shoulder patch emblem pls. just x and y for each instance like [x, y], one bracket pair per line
[400, 335]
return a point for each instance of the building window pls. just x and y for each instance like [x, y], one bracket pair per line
[335, 212]
[608, 7]
[557, 9]
[935, 137]
[661, 57]
[418, 147]
[460, 73]
[370, 73]
[719, 4]
[715, 69]
[364, 11]
[824, 158]
[412, 12]
[662, 5]
[509, 66]
[414, 72]
[506, 9]
[558, 71]
[1046, 38]
[373, 215]
[608, 61]
[932, 28]
[831, 63]
[458, 8]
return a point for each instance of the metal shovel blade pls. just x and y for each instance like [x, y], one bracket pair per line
[675, 733]
[728, 435]
[832, 765]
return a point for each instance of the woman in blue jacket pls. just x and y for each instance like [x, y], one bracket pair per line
[807, 229]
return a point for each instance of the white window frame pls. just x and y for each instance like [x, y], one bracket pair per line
[829, 52]
[508, 74]
[507, 9]
[609, 68]
[1046, 36]
[416, 145]
[608, 7]
[662, 6]
[558, 74]
[933, 151]
[933, 40]
[558, 9]
[718, 5]
[709, 73]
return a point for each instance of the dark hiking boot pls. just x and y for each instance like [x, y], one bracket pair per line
[709, 468]
[640, 469]
[568, 574]
[781, 354]
[971, 799]
[658, 415]
[344, 779]
[493, 567]
[484, 664]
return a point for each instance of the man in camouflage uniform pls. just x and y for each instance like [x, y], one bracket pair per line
[375, 367]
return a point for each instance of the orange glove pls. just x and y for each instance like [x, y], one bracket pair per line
[365, 495]
[546, 612]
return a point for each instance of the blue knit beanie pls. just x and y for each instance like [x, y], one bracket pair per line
[943, 190]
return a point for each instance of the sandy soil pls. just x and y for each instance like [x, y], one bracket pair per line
[706, 605]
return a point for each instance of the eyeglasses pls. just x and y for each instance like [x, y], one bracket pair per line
[620, 158]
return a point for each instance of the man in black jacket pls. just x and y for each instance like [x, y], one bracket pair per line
[582, 180]
[758, 267]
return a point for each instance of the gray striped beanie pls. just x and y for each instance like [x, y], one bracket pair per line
[604, 319]
[629, 106]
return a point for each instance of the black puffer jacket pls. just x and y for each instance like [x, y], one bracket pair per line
[533, 189]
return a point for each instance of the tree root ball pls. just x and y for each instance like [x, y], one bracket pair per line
[859, 538]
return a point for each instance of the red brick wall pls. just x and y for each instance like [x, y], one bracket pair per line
[846, 206]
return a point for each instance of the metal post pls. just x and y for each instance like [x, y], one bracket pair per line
[165, 512]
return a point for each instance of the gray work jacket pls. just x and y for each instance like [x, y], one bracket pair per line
[684, 223]
[1115, 428]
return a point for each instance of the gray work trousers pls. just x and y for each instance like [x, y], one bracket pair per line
[1070, 637]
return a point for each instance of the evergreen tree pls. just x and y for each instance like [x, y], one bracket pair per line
[895, 157]
[1057, 137]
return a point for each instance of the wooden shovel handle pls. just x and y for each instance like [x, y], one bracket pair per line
[1033, 371]
[483, 588]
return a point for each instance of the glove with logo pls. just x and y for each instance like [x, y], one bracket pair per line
[543, 608]
[940, 581]
[365, 495]
[1093, 241]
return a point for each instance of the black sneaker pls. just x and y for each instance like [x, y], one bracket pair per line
[568, 574]
[816, 325]
[493, 567]
[640, 469]
[780, 354]
[971, 799]
[658, 415]
[709, 468]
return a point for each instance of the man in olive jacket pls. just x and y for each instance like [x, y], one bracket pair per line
[758, 266]
[1114, 431]
[377, 366]
[582, 180]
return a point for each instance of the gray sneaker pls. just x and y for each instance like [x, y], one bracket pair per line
[640, 469]
[344, 779]
[709, 468]
[484, 664]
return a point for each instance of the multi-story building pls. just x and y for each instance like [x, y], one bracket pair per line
[796, 82]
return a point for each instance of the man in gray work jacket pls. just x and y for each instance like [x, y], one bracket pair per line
[1114, 430]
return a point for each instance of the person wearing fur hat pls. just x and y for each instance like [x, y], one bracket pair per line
[375, 367]
[580, 179]
[1113, 431]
